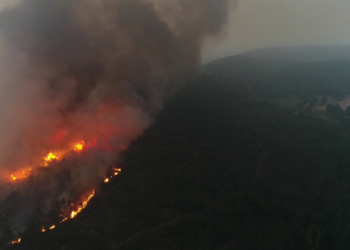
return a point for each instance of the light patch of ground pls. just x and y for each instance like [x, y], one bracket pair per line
[344, 104]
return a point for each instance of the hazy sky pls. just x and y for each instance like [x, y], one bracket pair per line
[265, 23]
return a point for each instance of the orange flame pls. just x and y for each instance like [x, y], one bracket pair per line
[79, 147]
[16, 241]
[18, 175]
[83, 205]
[52, 157]
[73, 214]
[49, 158]
[117, 171]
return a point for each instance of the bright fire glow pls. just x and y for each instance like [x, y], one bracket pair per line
[16, 241]
[49, 158]
[117, 171]
[18, 175]
[55, 156]
[73, 214]
[46, 161]
[84, 204]
[79, 147]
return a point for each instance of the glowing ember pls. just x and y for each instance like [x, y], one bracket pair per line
[43, 229]
[65, 219]
[117, 171]
[18, 175]
[83, 205]
[16, 241]
[79, 147]
[52, 227]
[106, 180]
[50, 157]
[73, 214]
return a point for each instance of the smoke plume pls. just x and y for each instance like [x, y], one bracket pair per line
[96, 71]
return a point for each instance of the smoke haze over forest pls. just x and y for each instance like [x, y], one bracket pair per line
[93, 73]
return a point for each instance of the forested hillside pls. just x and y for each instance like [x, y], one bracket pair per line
[273, 78]
[226, 166]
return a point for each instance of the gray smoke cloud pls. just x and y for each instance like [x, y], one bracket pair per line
[92, 70]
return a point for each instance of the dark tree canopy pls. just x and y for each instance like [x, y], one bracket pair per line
[324, 100]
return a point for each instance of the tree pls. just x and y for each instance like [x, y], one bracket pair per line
[335, 110]
[324, 100]
[313, 101]
[348, 110]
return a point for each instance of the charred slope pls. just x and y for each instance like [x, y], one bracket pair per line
[218, 171]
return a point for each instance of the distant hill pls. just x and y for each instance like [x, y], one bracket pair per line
[240, 65]
[302, 71]
[263, 61]
[301, 54]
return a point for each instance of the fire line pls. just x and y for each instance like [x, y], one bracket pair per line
[46, 162]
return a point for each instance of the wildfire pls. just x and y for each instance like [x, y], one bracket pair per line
[16, 241]
[79, 147]
[74, 213]
[46, 161]
[83, 205]
[52, 156]
[49, 158]
[18, 175]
